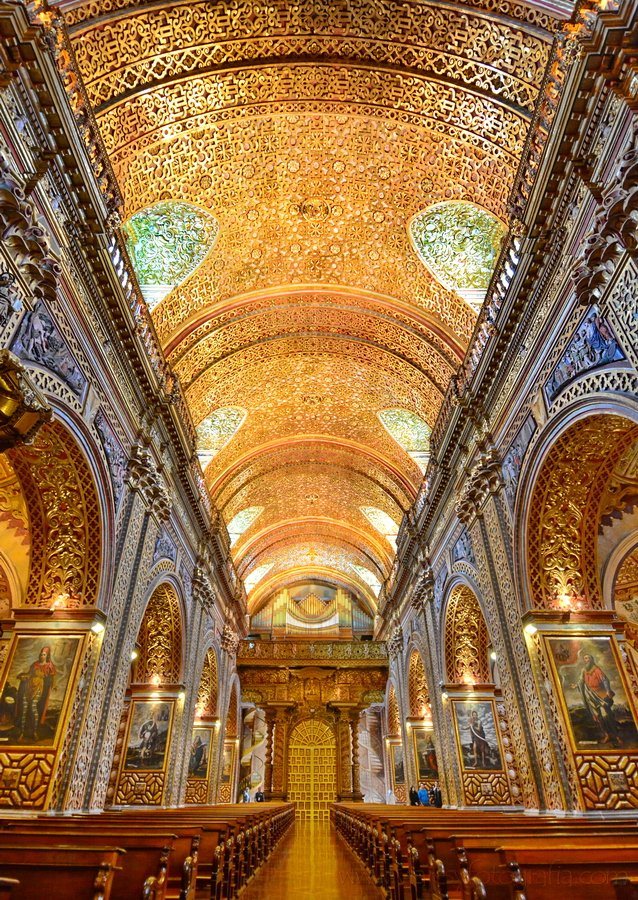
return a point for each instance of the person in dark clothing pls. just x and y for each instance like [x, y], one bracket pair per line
[414, 797]
[259, 796]
[436, 796]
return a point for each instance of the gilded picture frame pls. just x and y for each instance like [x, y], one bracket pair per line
[397, 764]
[425, 753]
[37, 688]
[148, 735]
[477, 737]
[228, 762]
[592, 691]
[199, 759]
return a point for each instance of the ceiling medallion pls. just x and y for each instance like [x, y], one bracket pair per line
[314, 209]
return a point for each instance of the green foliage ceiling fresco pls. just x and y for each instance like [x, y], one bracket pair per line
[166, 243]
[242, 522]
[459, 243]
[410, 431]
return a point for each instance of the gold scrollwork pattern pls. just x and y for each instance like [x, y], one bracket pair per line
[466, 639]
[160, 638]
[394, 716]
[207, 694]
[417, 686]
[565, 511]
[64, 518]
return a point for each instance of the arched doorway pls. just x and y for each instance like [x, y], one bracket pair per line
[312, 769]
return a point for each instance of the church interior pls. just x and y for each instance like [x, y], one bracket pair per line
[318, 449]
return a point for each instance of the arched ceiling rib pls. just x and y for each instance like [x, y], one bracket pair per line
[313, 132]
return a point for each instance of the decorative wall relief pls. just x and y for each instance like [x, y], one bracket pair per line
[39, 340]
[513, 459]
[114, 453]
[462, 549]
[593, 345]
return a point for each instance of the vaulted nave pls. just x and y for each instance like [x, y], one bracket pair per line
[318, 449]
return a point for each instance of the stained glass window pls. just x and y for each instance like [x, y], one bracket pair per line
[256, 575]
[215, 431]
[459, 243]
[242, 522]
[166, 242]
[383, 523]
[410, 431]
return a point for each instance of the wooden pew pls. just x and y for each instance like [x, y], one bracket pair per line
[7, 886]
[142, 871]
[62, 872]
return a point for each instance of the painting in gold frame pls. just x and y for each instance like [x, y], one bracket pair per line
[594, 698]
[397, 762]
[36, 688]
[228, 762]
[148, 735]
[199, 754]
[477, 735]
[425, 754]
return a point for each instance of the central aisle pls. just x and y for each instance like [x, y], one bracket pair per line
[311, 862]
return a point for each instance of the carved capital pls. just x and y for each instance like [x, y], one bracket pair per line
[229, 640]
[395, 644]
[23, 409]
[142, 476]
[203, 590]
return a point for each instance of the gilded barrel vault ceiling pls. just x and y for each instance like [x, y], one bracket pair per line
[313, 133]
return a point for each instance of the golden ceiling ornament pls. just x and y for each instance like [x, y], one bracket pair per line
[313, 133]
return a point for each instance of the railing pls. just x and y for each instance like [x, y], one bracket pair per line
[311, 650]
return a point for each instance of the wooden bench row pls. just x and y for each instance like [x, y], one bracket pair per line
[472, 854]
[186, 853]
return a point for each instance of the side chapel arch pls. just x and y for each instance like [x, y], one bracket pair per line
[466, 639]
[204, 736]
[575, 490]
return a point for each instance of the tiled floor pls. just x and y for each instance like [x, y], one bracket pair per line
[311, 862]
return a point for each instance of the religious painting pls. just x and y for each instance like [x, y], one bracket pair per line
[592, 345]
[36, 688]
[425, 754]
[477, 735]
[599, 713]
[513, 459]
[228, 762]
[398, 764]
[199, 753]
[148, 732]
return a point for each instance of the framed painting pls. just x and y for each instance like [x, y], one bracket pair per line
[476, 733]
[199, 754]
[398, 764]
[36, 688]
[148, 732]
[425, 754]
[228, 762]
[593, 695]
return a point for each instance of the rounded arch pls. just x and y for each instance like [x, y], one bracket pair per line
[565, 493]
[207, 693]
[312, 732]
[65, 518]
[418, 692]
[160, 638]
[466, 638]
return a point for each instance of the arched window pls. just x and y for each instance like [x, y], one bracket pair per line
[459, 243]
[166, 243]
[382, 522]
[242, 522]
[368, 578]
[256, 575]
[216, 430]
[410, 432]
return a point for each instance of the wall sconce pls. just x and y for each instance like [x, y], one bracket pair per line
[493, 656]
[444, 695]
[530, 629]
[181, 696]
[97, 627]
[156, 680]
[134, 655]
